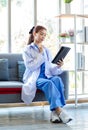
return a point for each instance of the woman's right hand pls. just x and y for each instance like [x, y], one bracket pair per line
[40, 46]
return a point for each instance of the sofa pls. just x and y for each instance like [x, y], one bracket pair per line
[11, 73]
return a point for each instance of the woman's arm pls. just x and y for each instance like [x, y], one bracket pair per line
[32, 59]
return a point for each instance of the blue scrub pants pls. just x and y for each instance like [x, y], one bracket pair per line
[54, 91]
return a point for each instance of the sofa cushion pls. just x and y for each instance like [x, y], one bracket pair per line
[10, 84]
[4, 72]
[21, 69]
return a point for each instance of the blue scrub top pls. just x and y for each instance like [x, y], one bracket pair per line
[42, 71]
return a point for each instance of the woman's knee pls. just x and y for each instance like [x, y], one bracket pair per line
[56, 78]
[49, 82]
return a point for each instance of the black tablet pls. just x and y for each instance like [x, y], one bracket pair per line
[61, 54]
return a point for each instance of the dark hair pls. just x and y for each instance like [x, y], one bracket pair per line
[35, 29]
[31, 30]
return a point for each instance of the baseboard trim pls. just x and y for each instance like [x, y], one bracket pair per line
[41, 103]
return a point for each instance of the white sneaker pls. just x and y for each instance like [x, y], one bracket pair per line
[65, 117]
[54, 118]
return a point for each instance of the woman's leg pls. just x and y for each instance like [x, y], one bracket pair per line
[60, 86]
[53, 89]
[52, 92]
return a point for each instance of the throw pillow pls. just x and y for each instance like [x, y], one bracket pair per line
[21, 69]
[4, 71]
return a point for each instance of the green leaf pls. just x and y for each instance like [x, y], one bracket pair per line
[68, 1]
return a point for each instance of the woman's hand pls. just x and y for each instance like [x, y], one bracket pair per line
[60, 63]
[40, 46]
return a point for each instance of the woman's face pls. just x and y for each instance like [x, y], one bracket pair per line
[40, 36]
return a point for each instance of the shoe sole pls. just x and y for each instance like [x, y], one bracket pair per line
[56, 121]
[69, 120]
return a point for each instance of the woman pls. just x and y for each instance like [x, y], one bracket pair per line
[42, 74]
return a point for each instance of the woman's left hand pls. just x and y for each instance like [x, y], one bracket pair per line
[60, 63]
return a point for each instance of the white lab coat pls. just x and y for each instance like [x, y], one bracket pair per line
[33, 60]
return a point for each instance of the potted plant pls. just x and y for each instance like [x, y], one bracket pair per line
[71, 35]
[68, 1]
[63, 36]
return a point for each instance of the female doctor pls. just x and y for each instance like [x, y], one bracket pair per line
[42, 74]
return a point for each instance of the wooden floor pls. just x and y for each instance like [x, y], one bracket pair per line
[38, 118]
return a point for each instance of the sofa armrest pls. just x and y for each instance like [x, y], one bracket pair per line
[65, 78]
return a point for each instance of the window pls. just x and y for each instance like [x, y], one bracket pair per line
[22, 19]
[77, 6]
[3, 26]
[46, 12]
